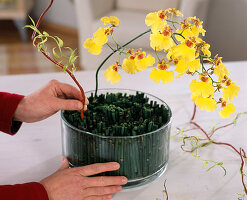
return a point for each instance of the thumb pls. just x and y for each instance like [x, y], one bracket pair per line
[64, 163]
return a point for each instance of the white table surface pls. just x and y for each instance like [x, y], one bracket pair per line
[35, 151]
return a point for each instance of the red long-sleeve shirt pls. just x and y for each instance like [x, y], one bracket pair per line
[26, 191]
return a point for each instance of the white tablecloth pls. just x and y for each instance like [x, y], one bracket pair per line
[34, 152]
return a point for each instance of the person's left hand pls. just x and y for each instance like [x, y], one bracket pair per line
[48, 100]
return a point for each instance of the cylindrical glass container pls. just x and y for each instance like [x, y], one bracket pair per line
[142, 158]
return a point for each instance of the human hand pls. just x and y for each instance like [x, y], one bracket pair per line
[48, 100]
[74, 183]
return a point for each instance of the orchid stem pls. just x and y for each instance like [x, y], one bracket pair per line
[101, 65]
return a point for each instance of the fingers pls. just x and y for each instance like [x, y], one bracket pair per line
[101, 191]
[105, 197]
[67, 104]
[64, 89]
[98, 168]
[102, 181]
[67, 91]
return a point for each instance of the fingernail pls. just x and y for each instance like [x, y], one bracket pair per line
[109, 196]
[119, 188]
[124, 180]
[62, 159]
[116, 165]
[85, 107]
[79, 106]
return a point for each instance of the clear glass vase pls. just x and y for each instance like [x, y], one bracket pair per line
[142, 158]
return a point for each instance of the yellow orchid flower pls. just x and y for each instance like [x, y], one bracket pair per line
[204, 103]
[204, 47]
[160, 42]
[231, 91]
[158, 75]
[221, 71]
[197, 28]
[181, 67]
[175, 12]
[99, 37]
[143, 62]
[227, 111]
[110, 20]
[187, 33]
[202, 89]
[92, 47]
[182, 51]
[137, 62]
[194, 65]
[205, 50]
[129, 66]
[111, 74]
[154, 20]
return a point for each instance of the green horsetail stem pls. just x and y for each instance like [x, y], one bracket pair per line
[108, 114]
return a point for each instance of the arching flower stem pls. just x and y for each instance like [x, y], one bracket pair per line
[119, 48]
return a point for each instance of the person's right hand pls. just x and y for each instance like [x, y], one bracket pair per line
[74, 183]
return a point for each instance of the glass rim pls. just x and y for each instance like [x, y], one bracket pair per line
[121, 137]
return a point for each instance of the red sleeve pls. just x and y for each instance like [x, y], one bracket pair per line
[27, 191]
[8, 105]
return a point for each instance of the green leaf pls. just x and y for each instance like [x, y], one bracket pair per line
[205, 164]
[72, 53]
[43, 41]
[54, 53]
[65, 67]
[45, 49]
[33, 28]
[196, 156]
[210, 168]
[73, 69]
[224, 169]
[72, 59]
[28, 26]
[39, 47]
[60, 42]
[71, 50]
[32, 20]
[45, 33]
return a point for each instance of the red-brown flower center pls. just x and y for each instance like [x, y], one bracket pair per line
[115, 68]
[223, 104]
[204, 79]
[228, 82]
[107, 32]
[165, 33]
[163, 14]
[175, 61]
[189, 43]
[163, 67]
[140, 56]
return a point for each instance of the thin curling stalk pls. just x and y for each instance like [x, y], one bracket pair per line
[57, 63]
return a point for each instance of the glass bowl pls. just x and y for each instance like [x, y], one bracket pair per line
[142, 158]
